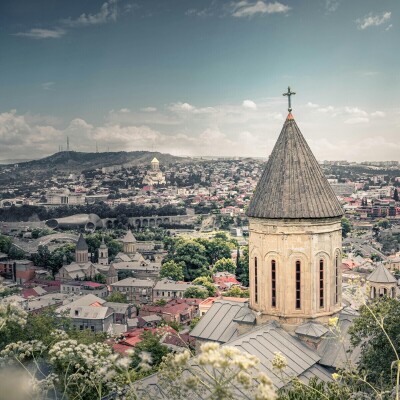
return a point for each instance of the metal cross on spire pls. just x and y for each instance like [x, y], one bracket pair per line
[288, 94]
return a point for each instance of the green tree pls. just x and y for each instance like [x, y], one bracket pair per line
[194, 258]
[346, 227]
[206, 282]
[235, 291]
[172, 270]
[5, 244]
[117, 297]
[151, 343]
[243, 273]
[16, 254]
[376, 330]
[396, 195]
[42, 257]
[194, 322]
[384, 223]
[100, 278]
[195, 293]
[216, 248]
[225, 264]
[376, 257]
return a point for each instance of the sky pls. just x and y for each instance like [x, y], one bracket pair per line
[199, 77]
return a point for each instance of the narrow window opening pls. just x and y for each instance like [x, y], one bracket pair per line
[337, 279]
[321, 283]
[298, 285]
[255, 281]
[273, 283]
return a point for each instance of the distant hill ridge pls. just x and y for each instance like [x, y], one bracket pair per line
[79, 161]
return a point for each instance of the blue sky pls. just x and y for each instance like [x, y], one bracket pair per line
[199, 77]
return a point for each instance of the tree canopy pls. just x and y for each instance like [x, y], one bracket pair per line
[172, 270]
[377, 331]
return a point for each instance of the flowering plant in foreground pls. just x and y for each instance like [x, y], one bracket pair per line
[217, 373]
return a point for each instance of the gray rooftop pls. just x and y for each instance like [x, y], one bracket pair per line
[335, 349]
[293, 185]
[134, 283]
[381, 275]
[270, 338]
[312, 329]
[218, 324]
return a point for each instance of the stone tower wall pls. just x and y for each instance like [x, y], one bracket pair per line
[288, 241]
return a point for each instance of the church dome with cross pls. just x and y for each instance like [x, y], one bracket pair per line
[295, 235]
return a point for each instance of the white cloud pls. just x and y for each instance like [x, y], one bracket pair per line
[378, 114]
[42, 33]
[389, 27]
[326, 110]
[181, 107]
[248, 9]
[124, 110]
[312, 105]
[249, 104]
[373, 20]
[355, 111]
[357, 120]
[205, 12]
[48, 85]
[184, 129]
[108, 13]
[331, 5]
[149, 109]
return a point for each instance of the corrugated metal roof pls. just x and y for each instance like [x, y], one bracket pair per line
[335, 349]
[293, 185]
[218, 323]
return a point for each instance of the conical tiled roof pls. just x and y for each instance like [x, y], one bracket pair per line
[381, 275]
[129, 238]
[81, 245]
[293, 184]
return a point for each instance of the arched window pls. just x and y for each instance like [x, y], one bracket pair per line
[298, 283]
[321, 283]
[384, 291]
[255, 280]
[273, 283]
[337, 279]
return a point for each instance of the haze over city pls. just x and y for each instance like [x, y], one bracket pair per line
[199, 78]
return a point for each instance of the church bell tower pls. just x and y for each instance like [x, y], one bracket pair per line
[295, 235]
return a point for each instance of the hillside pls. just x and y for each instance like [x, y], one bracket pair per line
[75, 161]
